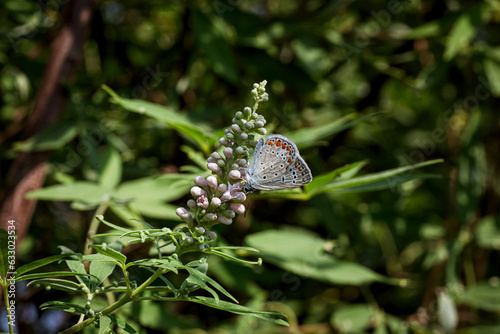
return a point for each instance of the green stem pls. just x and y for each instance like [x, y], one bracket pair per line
[94, 225]
[78, 327]
[6, 298]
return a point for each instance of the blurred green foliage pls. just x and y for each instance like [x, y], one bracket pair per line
[429, 71]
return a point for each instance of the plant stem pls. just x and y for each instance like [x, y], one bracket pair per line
[6, 298]
[94, 225]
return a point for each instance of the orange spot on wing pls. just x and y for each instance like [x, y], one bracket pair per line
[269, 142]
[283, 146]
[289, 160]
[288, 148]
[278, 143]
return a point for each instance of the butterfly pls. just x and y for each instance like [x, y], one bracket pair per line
[276, 165]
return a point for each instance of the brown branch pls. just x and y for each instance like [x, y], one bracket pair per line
[27, 172]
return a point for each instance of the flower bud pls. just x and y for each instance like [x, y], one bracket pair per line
[211, 216]
[199, 180]
[241, 197]
[237, 207]
[259, 124]
[225, 197]
[212, 181]
[188, 240]
[261, 131]
[221, 162]
[228, 152]
[213, 167]
[222, 187]
[197, 191]
[192, 204]
[247, 111]
[235, 174]
[224, 141]
[244, 136]
[216, 202]
[249, 125]
[239, 115]
[201, 230]
[235, 166]
[229, 136]
[224, 220]
[236, 128]
[229, 214]
[183, 213]
[240, 150]
[212, 235]
[240, 162]
[210, 159]
[216, 156]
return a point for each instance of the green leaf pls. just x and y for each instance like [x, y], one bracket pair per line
[110, 168]
[101, 269]
[172, 118]
[198, 280]
[341, 173]
[300, 251]
[50, 274]
[210, 41]
[483, 296]
[156, 209]
[168, 263]
[4, 253]
[166, 188]
[488, 233]
[122, 324]
[200, 277]
[63, 306]
[104, 324]
[58, 284]
[463, 31]
[353, 318]
[492, 72]
[78, 191]
[108, 251]
[43, 262]
[52, 138]
[76, 266]
[310, 137]
[274, 317]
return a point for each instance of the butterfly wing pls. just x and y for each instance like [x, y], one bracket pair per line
[277, 165]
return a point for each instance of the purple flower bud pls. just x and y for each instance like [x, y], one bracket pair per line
[183, 213]
[222, 187]
[247, 111]
[240, 162]
[216, 202]
[225, 197]
[199, 180]
[226, 131]
[192, 204]
[237, 207]
[224, 220]
[216, 156]
[241, 197]
[235, 166]
[228, 152]
[212, 235]
[210, 159]
[224, 141]
[197, 191]
[249, 125]
[235, 174]
[213, 167]
[240, 150]
[236, 128]
[244, 136]
[212, 182]
[211, 216]
[243, 172]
